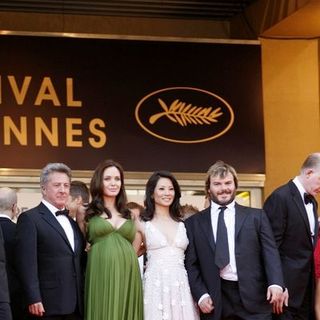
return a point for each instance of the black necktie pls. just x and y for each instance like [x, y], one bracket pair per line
[64, 212]
[308, 198]
[222, 249]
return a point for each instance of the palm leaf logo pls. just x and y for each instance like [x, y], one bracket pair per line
[185, 114]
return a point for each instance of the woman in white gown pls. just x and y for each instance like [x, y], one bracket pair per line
[167, 293]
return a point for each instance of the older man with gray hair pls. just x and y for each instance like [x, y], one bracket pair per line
[49, 251]
[8, 211]
[5, 312]
[292, 211]
[8, 202]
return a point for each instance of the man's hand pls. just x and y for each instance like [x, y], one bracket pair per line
[36, 309]
[277, 298]
[206, 305]
[285, 297]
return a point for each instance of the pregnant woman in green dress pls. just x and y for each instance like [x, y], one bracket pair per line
[113, 289]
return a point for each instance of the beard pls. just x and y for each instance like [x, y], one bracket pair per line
[214, 197]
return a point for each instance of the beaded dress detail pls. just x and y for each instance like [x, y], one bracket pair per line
[167, 293]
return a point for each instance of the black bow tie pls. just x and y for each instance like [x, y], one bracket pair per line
[64, 212]
[308, 198]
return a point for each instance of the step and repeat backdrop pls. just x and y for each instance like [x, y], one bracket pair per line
[147, 104]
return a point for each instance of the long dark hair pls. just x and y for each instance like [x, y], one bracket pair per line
[96, 206]
[149, 203]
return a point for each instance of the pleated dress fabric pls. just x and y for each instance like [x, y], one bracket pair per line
[113, 288]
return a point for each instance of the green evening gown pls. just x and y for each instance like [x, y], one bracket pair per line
[113, 289]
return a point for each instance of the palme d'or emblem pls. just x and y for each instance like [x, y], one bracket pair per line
[185, 114]
[202, 123]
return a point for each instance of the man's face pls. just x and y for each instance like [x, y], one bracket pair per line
[56, 191]
[73, 204]
[312, 181]
[222, 190]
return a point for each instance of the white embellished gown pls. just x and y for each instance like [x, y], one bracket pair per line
[167, 293]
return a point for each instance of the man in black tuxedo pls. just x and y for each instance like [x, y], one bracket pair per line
[292, 211]
[5, 311]
[49, 251]
[244, 279]
[8, 211]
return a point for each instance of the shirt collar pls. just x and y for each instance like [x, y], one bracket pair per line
[51, 207]
[300, 187]
[2, 215]
[215, 206]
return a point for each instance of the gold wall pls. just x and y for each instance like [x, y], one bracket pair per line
[290, 71]
[291, 106]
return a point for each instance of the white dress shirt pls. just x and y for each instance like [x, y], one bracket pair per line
[63, 221]
[2, 215]
[309, 206]
[229, 272]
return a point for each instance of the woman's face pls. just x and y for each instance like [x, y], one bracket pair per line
[164, 193]
[111, 182]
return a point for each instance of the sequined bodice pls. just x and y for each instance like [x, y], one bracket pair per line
[160, 253]
[167, 294]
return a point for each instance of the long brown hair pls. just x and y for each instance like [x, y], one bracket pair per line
[96, 206]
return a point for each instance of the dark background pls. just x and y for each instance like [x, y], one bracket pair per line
[111, 77]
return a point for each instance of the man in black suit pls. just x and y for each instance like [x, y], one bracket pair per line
[5, 311]
[248, 284]
[8, 211]
[292, 211]
[49, 251]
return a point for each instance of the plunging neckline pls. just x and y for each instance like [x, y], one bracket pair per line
[174, 239]
[112, 226]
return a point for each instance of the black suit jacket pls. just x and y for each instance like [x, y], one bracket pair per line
[9, 231]
[257, 259]
[50, 270]
[4, 291]
[289, 221]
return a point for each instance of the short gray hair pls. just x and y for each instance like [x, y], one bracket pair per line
[8, 198]
[51, 168]
[311, 162]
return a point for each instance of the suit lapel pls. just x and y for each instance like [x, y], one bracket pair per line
[52, 221]
[240, 217]
[206, 226]
[77, 235]
[316, 225]
[302, 210]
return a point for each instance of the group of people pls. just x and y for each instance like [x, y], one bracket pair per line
[226, 262]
